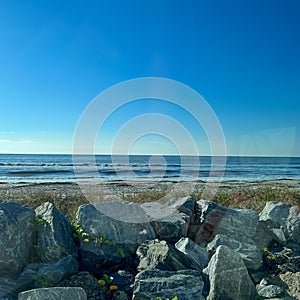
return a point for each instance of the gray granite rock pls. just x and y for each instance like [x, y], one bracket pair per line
[55, 293]
[8, 289]
[216, 219]
[96, 221]
[292, 280]
[250, 253]
[196, 254]
[229, 278]
[186, 285]
[58, 271]
[170, 221]
[269, 291]
[264, 234]
[54, 234]
[283, 220]
[161, 255]
[38, 275]
[16, 238]
[89, 283]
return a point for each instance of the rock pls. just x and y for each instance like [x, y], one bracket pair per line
[102, 258]
[16, 238]
[8, 289]
[95, 221]
[89, 283]
[161, 255]
[40, 275]
[229, 278]
[197, 255]
[119, 240]
[246, 247]
[123, 280]
[283, 220]
[56, 293]
[269, 291]
[120, 295]
[170, 221]
[186, 285]
[54, 239]
[292, 280]
[216, 219]
[264, 235]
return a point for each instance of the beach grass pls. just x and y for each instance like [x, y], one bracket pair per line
[244, 197]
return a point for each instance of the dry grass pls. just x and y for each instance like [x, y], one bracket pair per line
[252, 197]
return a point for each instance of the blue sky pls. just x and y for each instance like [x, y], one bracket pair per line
[241, 56]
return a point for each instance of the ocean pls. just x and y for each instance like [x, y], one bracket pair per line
[19, 168]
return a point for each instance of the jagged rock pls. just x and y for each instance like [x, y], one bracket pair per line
[292, 280]
[269, 290]
[196, 254]
[55, 293]
[216, 219]
[264, 235]
[283, 219]
[38, 275]
[186, 285]
[123, 280]
[8, 289]
[246, 247]
[229, 278]
[89, 283]
[95, 220]
[171, 221]
[54, 235]
[16, 238]
[161, 255]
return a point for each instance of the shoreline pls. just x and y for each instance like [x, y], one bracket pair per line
[67, 197]
[125, 187]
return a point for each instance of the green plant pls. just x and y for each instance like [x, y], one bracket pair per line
[40, 221]
[42, 281]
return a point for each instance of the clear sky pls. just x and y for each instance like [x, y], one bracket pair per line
[243, 57]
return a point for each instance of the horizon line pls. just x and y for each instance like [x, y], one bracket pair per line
[148, 154]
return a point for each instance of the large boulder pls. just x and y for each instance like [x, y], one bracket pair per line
[161, 255]
[216, 219]
[16, 238]
[105, 219]
[55, 293]
[246, 247]
[56, 272]
[196, 254]
[171, 220]
[8, 289]
[54, 234]
[107, 243]
[283, 220]
[186, 285]
[229, 278]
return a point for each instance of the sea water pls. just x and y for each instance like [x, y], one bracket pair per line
[17, 168]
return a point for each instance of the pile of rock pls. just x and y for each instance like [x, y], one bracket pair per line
[184, 249]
